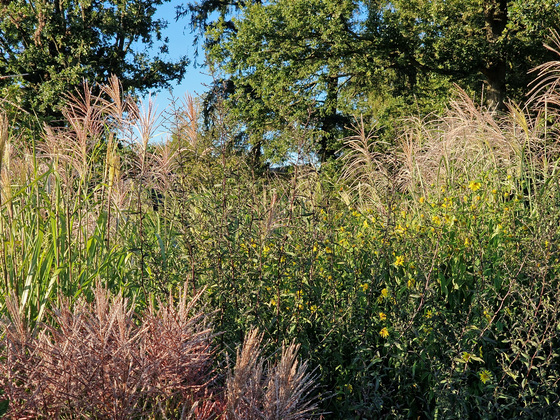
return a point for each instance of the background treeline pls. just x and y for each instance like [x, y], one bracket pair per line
[415, 269]
[311, 63]
[318, 63]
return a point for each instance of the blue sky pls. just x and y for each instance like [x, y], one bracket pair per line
[180, 43]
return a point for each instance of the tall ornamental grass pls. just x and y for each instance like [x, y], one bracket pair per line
[105, 360]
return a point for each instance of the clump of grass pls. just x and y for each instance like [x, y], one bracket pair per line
[437, 154]
[256, 390]
[101, 359]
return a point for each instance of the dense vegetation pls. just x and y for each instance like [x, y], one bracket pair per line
[421, 281]
[410, 260]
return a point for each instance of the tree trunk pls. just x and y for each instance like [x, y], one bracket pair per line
[495, 16]
[496, 79]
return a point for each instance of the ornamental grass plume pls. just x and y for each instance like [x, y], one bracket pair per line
[102, 360]
[288, 387]
[259, 390]
[545, 89]
[368, 168]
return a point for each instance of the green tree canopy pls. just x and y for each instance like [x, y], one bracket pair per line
[49, 47]
[317, 63]
[306, 62]
[480, 44]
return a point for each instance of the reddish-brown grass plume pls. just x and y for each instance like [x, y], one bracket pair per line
[99, 359]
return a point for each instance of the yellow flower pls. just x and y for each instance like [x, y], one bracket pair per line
[384, 293]
[410, 283]
[366, 224]
[382, 316]
[467, 242]
[421, 200]
[399, 261]
[384, 332]
[365, 287]
[474, 186]
[266, 250]
[485, 376]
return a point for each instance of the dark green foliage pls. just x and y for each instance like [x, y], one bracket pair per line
[318, 63]
[485, 45]
[48, 48]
